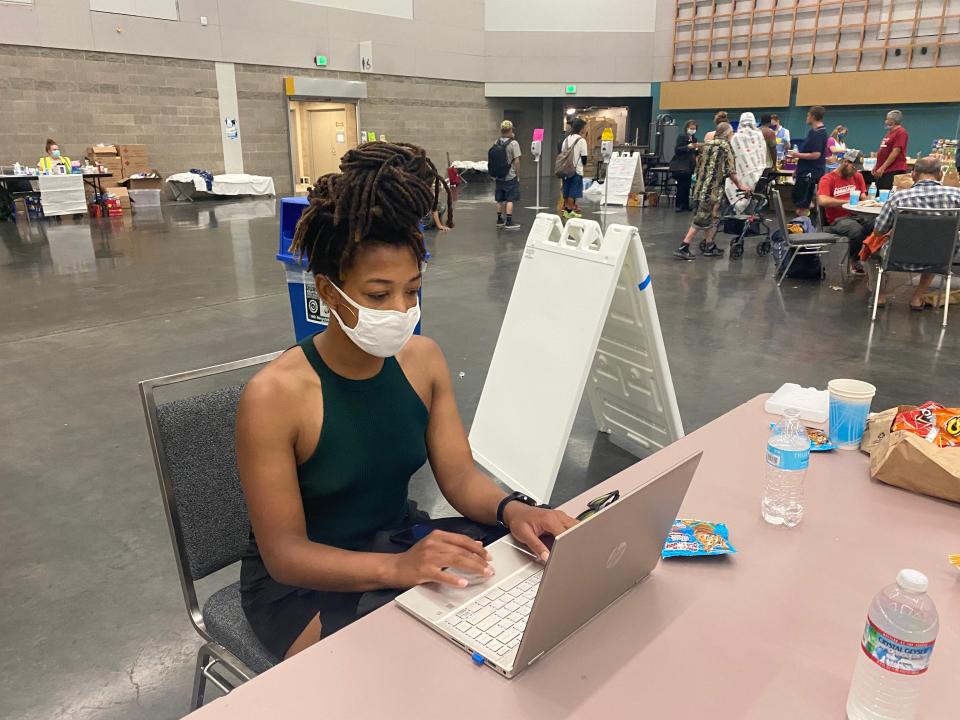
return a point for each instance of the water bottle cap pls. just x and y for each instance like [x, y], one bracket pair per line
[912, 580]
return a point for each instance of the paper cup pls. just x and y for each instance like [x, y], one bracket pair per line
[854, 199]
[883, 195]
[849, 406]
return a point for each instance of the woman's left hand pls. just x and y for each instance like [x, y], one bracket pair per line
[528, 523]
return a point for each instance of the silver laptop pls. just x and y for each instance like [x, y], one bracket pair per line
[511, 620]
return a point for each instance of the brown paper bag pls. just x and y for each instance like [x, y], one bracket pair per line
[905, 460]
[902, 182]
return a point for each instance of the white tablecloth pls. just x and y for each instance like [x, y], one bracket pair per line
[62, 194]
[199, 184]
[242, 184]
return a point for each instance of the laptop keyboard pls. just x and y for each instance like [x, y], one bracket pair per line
[496, 620]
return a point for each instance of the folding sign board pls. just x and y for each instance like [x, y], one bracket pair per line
[581, 310]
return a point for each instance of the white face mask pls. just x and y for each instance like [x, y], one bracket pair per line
[381, 333]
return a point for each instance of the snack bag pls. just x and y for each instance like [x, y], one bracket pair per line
[697, 537]
[933, 422]
[819, 440]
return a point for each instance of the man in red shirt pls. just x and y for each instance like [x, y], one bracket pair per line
[892, 155]
[833, 192]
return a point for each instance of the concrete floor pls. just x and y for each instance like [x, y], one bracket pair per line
[92, 620]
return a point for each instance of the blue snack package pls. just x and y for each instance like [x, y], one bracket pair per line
[697, 537]
[819, 440]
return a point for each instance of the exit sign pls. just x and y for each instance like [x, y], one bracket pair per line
[571, 89]
[321, 60]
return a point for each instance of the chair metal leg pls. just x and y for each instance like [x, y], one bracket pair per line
[199, 679]
[876, 294]
[946, 300]
[789, 263]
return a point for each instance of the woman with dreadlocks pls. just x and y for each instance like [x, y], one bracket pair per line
[329, 433]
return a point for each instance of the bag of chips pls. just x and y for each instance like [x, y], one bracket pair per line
[933, 422]
[697, 537]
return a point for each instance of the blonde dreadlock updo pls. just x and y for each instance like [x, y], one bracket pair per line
[380, 195]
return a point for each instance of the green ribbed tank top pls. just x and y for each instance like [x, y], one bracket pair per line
[372, 440]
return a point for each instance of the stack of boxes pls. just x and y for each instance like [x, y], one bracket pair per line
[121, 161]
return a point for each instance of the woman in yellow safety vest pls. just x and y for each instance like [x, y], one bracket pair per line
[49, 162]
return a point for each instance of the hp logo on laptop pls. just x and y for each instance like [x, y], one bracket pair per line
[616, 555]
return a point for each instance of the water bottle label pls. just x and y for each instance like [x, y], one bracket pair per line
[899, 656]
[788, 459]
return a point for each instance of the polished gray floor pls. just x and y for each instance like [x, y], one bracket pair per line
[92, 620]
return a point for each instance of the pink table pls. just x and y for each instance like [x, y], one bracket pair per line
[770, 632]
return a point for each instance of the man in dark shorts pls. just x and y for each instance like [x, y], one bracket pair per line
[811, 161]
[507, 189]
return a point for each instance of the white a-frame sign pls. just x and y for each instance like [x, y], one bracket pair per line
[581, 315]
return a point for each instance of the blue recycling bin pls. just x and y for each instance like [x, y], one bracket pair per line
[310, 315]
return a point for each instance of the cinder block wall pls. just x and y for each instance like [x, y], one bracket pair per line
[439, 115]
[80, 98]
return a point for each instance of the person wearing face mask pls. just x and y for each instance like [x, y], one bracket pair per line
[684, 162]
[833, 191]
[329, 433]
[782, 135]
[836, 147]
[892, 155]
[49, 162]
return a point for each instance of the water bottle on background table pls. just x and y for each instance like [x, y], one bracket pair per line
[872, 191]
[788, 454]
[895, 651]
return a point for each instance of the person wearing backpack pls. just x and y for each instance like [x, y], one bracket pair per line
[503, 164]
[569, 167]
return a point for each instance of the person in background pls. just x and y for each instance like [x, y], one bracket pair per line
[720, 117]
[53, 158]
[836, 147]
[770, 138]
[750, 154]
[892, 155]
[811, 161]
[507, 189]
[573, 185]
[927, 193]
[684, 162]
[834, 190]
[782, 135]
[716, 164]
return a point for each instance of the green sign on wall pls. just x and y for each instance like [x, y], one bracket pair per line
[571, 89]
[321, 60]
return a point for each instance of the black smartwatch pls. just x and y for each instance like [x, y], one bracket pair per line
[525, 499]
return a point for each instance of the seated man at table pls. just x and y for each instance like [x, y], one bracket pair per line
[927, 193]
[833, 192]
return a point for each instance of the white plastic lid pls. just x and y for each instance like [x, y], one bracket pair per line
[912, 580]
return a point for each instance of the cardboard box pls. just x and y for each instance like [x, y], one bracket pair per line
[134, 167]
[97, 151]
[122, 195]
[130, 151]
[151, 183]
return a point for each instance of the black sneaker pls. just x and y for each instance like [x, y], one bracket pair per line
[712, 250]
[500, 222]
[512, 225]
[683, 253]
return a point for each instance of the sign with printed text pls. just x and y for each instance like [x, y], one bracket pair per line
[538, 135]
[316, 310]
[366, 57]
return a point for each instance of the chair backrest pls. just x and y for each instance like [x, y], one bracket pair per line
[195, 455]
[821, 216]
[923, 240]
[778, 213]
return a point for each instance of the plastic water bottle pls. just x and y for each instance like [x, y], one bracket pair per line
[872, 191]
[788, 454]
[895, 651]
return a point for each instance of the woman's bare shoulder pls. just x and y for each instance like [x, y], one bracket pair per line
[281, 382]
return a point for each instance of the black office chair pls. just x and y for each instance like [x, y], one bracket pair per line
[815, 243]
[195, 455]
[924, 241]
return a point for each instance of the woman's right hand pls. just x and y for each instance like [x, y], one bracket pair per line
[424, 562]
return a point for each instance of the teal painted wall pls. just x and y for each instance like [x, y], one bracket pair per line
[925, 123]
